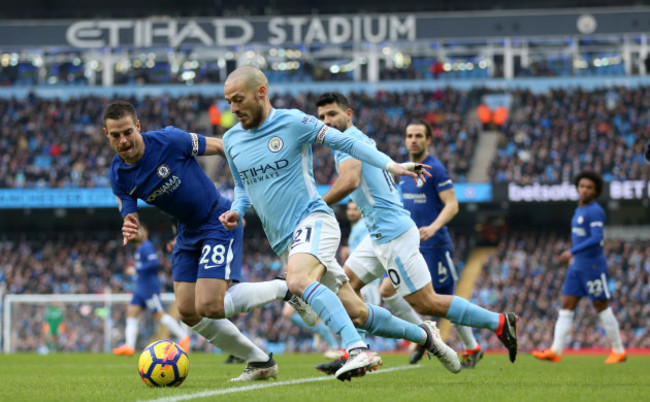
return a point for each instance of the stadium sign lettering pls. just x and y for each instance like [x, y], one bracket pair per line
[542, 192]
[340, 29]
[238, 31]
[628, 190]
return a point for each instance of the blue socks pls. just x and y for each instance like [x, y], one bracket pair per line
[381, 322]
[463, 312]
[330, 309]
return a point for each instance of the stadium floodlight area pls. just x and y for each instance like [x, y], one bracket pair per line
[94, 321]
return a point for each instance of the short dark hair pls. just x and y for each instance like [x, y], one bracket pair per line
[118, 110]
[594, 177]
[333, 97]
[421, 122]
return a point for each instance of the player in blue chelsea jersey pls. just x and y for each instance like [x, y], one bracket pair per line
[432, 205]
[392, 245]
[587, 275]
[147, 295]
[160, 168]
[270, 156]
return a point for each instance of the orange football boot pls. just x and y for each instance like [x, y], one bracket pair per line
[124, 350]
[616, 358]
[549, 355]
[185, 343]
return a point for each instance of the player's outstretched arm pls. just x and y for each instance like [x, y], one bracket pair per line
[333, 138]
[214, 146]
[130, 228]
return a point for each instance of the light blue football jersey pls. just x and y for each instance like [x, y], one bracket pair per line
[358, 232]
[377, 197]
[272, 166]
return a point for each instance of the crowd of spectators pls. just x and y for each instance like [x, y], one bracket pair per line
[60, 144]
[548, 138]
[552, 136]
[524, 276]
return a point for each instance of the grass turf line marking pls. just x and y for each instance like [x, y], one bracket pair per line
[205, 394]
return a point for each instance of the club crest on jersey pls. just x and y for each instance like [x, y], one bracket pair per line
[580, 220]
[275, 144]
[163, 171]
[419, 183]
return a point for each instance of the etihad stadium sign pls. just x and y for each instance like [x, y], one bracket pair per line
[310, 29]
[239, 31]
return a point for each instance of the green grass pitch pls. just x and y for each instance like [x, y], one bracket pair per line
[96, 377]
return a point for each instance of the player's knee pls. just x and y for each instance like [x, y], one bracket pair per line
[386, 289]
[211, 310]
[189, 316]
[297, 284]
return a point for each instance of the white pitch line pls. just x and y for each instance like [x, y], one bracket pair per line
[205, 394]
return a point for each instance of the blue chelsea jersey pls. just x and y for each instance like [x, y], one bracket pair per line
[587, 234]
[423, 201]
[377, 197]
[167, 176]
[146, 267]
[272, 167]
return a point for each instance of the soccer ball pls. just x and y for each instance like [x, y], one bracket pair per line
[163, 364]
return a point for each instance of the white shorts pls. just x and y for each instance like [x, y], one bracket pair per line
[400, 258]
[319, 235]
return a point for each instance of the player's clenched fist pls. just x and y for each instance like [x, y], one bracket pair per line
[130, 228]
[229, 219]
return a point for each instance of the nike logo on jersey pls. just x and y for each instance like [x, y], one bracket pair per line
[210, 266]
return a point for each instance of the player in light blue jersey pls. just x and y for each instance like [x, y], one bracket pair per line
[160, 168]
[147, 295]
[587, 275]
[392, 245]
[358, 229]
[269, 152]
[432, 205]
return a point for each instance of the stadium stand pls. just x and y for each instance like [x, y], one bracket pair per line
[554, 135]
[59, 143]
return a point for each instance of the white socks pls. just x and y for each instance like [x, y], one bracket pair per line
[224, 335]
[131, 331]
[465, 334]
[562, 328]
[402, 309]
[173, 325]
[247, 296]
[610, 323]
